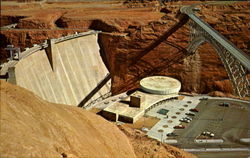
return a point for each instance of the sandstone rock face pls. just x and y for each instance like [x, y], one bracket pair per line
[129, 33]
[31, 127]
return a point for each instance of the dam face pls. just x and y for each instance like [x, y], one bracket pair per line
[76, 70]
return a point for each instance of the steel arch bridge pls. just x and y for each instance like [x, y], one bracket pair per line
[236, 62]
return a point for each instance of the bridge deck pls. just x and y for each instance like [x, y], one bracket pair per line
[229, 46]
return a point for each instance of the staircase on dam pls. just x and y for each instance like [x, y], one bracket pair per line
[62, 71]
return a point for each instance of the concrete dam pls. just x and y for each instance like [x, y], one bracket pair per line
[63, 70]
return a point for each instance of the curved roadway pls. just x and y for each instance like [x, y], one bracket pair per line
[229, 46]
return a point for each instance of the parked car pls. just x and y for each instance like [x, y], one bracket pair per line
[184, 120]
[181, 120]
[188, 118]
[225, 104]
[194, 110]
[144, 129]
[179, 127]
[187, 121]
[203, 98]
[190, 114]
[206, 133]
[172, 134]
[211, 135]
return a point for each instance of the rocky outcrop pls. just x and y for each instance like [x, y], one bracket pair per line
[32, 127]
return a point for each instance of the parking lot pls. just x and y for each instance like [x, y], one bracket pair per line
[176, 111]
[230, 125]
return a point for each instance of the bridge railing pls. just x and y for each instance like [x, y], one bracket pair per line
[228, 45]
[235, 61]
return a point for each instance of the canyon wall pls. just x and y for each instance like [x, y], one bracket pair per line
[130, 31]
[138, 55]
[76, 70]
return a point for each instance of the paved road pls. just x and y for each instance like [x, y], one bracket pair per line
[223, 98]
[229, 46]
[109, 101]
[228, 154]
[216, 149]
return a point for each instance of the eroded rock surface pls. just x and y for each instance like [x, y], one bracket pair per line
[32, 127]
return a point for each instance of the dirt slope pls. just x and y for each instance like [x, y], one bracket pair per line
[31, 127]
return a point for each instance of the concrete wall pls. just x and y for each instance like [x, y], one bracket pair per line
[77, 69]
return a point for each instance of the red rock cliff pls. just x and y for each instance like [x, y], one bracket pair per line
[130, 32]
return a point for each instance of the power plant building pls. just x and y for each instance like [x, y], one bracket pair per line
[160, 85]
[153, 90]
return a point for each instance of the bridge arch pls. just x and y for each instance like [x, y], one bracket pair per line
[236, 73]
[236, 62]
[198, 41]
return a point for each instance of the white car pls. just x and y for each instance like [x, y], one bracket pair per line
[206, 133]
[211, 135]
[188, 118]
[184, 120]
[144, 129]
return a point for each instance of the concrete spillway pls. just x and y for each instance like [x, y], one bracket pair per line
[77, 68]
